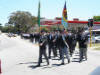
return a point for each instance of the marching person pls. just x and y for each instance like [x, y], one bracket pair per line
[42, 48]
[58, 44]
[51, 44]
[83, 41]
[74, 38]
[31, 38]
[71, 39]
[64, 47]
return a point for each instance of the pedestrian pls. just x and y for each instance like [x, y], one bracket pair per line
[42, 48]
[70, 41]
[83, 43]
[52, 44]
[64, 47]
[58, 44]
[31, 37]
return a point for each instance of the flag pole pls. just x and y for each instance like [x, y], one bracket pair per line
[39, 15]
[90, 36]
[65, 17]
[40, 18]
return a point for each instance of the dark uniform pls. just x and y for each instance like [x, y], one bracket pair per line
[42, 49]
[31, 37]
[71, 39]
[83, 40]
[64, 48]
[51, 44]
[74, 38]
[58, 44]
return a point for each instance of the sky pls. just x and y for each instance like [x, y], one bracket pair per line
[82, 9]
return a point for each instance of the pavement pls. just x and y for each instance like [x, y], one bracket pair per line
[19, 57]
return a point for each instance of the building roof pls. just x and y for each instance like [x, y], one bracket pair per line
[58, 21]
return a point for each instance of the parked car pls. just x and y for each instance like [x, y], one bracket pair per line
[0, 32]
[25, 36]
[11, 35]
[97, 39]
[92, 39]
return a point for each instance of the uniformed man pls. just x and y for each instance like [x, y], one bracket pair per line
[42, 48]
[31, 37]
[52, 44]
[83, 41]
[58, 43]
[71, 39]
[74, 38]
[64, 47]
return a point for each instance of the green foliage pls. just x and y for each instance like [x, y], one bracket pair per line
[0, 26]
[98, 48]
[45, 29]
[80, 29]
[53, 28]
[96, 18]
[22, 21]
[8, 28]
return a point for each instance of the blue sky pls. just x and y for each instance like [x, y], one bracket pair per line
[82, 9]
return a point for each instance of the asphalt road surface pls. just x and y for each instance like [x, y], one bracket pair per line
[19, 57]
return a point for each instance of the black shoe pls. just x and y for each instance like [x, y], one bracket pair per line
[55, 56]
[49, 57]
[60, 58]
[71, 54]
[38, 65]
[62, 63]
[68, 60]
[80, 61]
[41, 62]
[48, 63]
[86, 59]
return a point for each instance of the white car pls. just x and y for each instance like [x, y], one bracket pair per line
[0, 32]
[92, 39]
[11, 35]
[97, 39]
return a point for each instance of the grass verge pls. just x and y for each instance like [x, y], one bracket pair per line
[98, 48]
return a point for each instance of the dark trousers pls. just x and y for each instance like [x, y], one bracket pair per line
[66, 52]
[83, 54]
[42, 52]
[71, 51]
[60, 52]
[31, 40]
[52, 48]
[59, 49]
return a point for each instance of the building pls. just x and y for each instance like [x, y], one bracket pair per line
[75, 23]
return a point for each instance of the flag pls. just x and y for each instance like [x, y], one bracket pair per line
[39, 15]
[64, 17]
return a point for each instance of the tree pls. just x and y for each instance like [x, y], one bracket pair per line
[22, 21]
[96, 18]
[8, 28]
[0, 26]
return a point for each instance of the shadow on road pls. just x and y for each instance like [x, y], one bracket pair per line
[28, 63]
[35, 66]
[32, 67]
[54, 65]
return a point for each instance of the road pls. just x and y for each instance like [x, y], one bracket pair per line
[19, 57]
